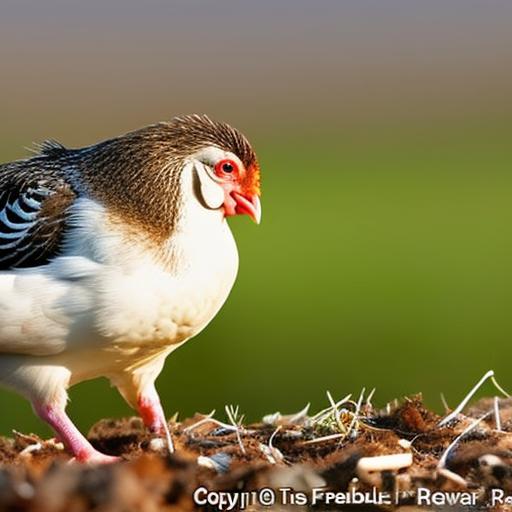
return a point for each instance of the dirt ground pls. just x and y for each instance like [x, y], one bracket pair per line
[339, 449]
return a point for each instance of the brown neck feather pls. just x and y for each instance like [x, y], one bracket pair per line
[137, 176]
[138, 180]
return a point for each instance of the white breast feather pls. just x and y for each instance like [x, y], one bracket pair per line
[108, 303]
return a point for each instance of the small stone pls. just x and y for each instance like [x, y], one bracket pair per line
[157, 444]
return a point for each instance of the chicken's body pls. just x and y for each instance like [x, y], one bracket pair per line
[114, 301]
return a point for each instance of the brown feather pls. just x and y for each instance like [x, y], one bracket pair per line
[137, 175]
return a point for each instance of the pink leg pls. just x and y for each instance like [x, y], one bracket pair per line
[72, 438]
[152, 413]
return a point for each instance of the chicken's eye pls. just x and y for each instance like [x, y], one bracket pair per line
[226, 167]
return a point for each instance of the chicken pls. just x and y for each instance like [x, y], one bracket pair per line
[114, 255]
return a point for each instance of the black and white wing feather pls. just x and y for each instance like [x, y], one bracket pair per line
[34, 200]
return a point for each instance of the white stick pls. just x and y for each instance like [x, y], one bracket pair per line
[499, 388]
[294, 418]
[370, 396]
[31, 448]
[445, 403]
[202, 421]
[324, 438]
[356, 412]
[319, 416]
[168, 437]
[497, 413]
[453, 477]
[232, 417]
[467, 398]
[337, 414]
[270, 445]
[442, 461]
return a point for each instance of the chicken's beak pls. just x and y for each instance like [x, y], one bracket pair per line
[248, 205]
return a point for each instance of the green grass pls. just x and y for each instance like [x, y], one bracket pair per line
[382, 263]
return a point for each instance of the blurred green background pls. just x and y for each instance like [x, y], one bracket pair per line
[384, 134]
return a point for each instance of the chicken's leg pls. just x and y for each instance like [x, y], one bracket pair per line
[72, 438]
[138, 389]
[152, 413]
